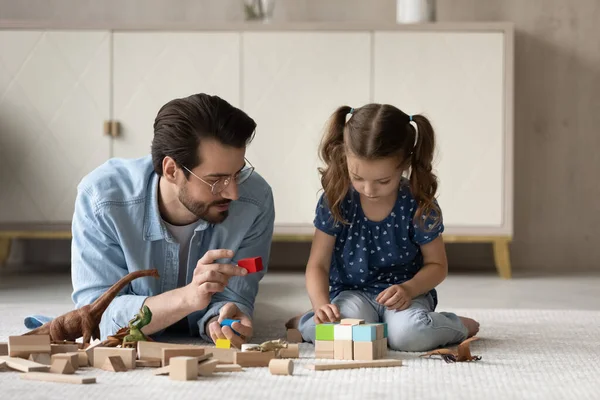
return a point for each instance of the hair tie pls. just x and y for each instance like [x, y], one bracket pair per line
[351, 111]
[410, 118]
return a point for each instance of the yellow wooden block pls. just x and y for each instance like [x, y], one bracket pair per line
[223, 344]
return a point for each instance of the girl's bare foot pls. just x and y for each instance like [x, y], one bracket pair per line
[471, 324]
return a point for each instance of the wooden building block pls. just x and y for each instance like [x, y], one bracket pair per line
[206, 368]
[83, 358]
[364, 333]
[226, 356]
[254, 358]
[162, 370]
[61, 366]
[183, 368]
[23, 365]
[90, 351]
[294, 336]
[102, 353]
[228, 368]
[356, 364]
[381, 330]
[352, 321]
[72, 358]
[251, 264]
[292, 351]
[366, 350]
[23, 346]
[192, 351]
[148, 363]
[281, 367]
[42, 376]
[246, 346]
[153, 350]
[3, 349]
[40, 358]
[324, 349]
[381, 346]
[325, 331]
[223, 344]
[63, 348]
[342, 332]
[343, 350]
[114, 364]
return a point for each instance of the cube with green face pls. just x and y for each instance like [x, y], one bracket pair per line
[324, 332]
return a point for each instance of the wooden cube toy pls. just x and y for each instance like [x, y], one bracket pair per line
[229, 322]
[251, 265]
[325, 331]
[223, 344]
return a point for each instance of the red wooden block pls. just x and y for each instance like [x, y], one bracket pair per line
[251, 264]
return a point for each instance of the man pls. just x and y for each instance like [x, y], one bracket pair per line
[190, 210]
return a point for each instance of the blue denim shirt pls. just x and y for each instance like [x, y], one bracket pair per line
[117, 229]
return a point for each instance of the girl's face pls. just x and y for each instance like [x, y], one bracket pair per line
[374, 179]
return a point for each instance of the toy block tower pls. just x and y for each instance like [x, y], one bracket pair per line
[351, 339]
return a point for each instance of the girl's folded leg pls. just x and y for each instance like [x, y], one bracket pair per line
[419, 328]
[352, 304]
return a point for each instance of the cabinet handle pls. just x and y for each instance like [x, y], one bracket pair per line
[112, 128]
[115, 128]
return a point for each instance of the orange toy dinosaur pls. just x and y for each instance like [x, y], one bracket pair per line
[462, 354]
[85, 321]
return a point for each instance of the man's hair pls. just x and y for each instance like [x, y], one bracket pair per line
[182, 124]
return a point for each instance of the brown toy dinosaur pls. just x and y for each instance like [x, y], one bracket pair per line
[85, 321]
[462, 354]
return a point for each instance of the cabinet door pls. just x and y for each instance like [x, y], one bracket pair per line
[54, 98]
[152, 68]
[292, 83]
[457, 80]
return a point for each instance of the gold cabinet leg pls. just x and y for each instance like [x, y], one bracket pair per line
[4, 249]
[502, 258]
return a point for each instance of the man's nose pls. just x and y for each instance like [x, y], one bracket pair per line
[231, 191]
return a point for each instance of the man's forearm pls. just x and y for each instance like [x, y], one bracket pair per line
[167, 308]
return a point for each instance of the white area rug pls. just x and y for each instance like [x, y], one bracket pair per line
[527, 354]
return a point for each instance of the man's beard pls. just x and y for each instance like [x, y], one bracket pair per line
[203, 210]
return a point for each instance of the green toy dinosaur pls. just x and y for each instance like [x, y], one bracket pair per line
[142, 319]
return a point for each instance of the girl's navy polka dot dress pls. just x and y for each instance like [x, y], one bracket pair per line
[371, 256]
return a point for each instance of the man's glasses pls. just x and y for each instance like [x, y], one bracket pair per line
[220, 185]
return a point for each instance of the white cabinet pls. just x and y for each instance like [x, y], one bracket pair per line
[58, 87]
[291, 83]
[457, 79]
[152, 68]
[54, 97]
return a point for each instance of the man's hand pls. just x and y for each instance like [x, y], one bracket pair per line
[244, 327]
[210, 278]
[396, 297]
[327, 313]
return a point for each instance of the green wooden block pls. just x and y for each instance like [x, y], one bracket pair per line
[324, 332]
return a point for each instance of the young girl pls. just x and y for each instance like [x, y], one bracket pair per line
[378, 253]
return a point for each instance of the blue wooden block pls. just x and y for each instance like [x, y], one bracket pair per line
[229, 322]
[364, 333]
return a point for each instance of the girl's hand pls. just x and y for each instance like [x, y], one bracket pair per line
[396, 297]
[327, 313]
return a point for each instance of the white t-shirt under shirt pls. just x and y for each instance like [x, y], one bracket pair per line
[183, 236]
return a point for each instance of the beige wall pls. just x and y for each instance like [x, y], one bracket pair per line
[557, 106]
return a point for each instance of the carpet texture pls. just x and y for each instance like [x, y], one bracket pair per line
[526, 354]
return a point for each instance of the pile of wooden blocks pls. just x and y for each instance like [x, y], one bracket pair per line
[351, 339]
[41, 360]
